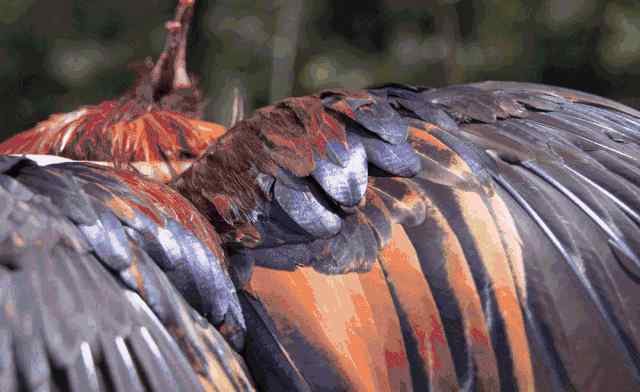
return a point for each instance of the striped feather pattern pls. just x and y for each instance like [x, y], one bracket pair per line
[86, 302]
[509, 262]
[153, 141]
[479, 237]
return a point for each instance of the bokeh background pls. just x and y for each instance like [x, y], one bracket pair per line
[57, 55]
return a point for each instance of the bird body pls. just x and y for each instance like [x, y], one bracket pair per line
[476, 237]
[158, 140]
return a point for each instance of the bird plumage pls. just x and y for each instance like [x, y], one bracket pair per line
[475, 237]
[87, 302]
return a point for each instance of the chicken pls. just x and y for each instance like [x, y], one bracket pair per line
[86, 299]
[154, 129]
[473, 237]
[494, 227]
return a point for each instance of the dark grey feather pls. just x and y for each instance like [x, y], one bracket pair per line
[71, 322]
[307, 210]
[345, 183]
[399, 159]
[379, 118]
[430, 113]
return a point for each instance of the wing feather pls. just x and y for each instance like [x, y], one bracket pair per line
[522, 214]
[68, 319]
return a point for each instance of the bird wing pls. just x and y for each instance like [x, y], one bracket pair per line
[87, 301]
[289, 185]
[498, 223]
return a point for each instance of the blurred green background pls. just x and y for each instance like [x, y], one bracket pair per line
[57, 55]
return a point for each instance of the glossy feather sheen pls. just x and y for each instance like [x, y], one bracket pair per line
[345, 182]
[148, 139]
[493, 228]
[379, 118]
[307, 211]
[507, 256]
[72, 324]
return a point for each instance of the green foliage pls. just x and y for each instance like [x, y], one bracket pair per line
[55, 56]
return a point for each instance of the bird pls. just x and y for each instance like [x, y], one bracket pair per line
[154, 129]
[471, 237]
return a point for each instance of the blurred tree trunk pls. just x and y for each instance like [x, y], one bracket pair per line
[447, 27]
[285, 47]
